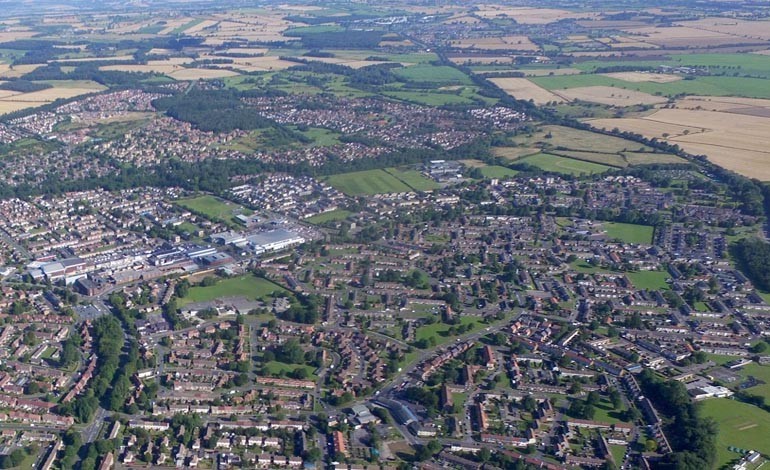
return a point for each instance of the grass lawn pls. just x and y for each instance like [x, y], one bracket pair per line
[251, 287]
[414, 179]
[279, 369]
[618, 452]
[321, 137]
[651, 280]
[629, 233]
[740, 425]
[569, 166]
[439, 330]
[582, 266]
[367, 182]
[213, 207]
[605, 413]
[338, 214]
[759, 372]
[496, 171]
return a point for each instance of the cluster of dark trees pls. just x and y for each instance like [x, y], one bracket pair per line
[753, 257]
[305, 310]
[24, 86]
[692, 436]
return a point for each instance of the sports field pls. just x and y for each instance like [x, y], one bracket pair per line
[414, 179]
[213, 207]
[367, 182]
[629, 233]
[496, 171]
[248, 286]
[569, 166]
[339, 214]
[740, 425]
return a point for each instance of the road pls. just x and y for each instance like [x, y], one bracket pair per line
[91, 432]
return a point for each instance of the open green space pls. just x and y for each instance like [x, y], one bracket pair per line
[758, 372]
[248, 286]
[497, 171]
[367, 182]
[651, 280]
[618, 452]
[606, 413]
[569, 166]
[709, 85]
[440, 331]
[213, 207]
[414, 179]
[337, 214]
[187, 26]
[740, 425]
[561, 138]
[629, 233]
[436, 74]
[281, 369]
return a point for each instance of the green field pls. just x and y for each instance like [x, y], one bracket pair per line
[414, 179]
[338, 214]
[436, 74]
[651, 280]
[709, 85]
[280, 369]
[566, 138]
[629, 233]
[496, 171]
[439, 330]
[569, 166]
[213, 207]
[740, 425]
[367, 182]
[248, 286]
[759, 372]
[749, 64]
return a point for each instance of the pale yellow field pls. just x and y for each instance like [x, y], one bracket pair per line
[8, 36]
[173, 24]
[8, 93]
[526, 15]
[738, 142]
[12, 106]
[679, 36]
[523, 89]
[51, 94]
[610, 96]
[636, 77]
[765, 52]
[514, 153]
[6, 71]
[255, 64]
[198, 74]
[518, 43]
[717, 103]
[739, 27]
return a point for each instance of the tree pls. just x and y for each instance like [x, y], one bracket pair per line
[650, 445]
[615, 398]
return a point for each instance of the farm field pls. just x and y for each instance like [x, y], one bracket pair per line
[61, 89]
[523, 89]
[213, 207]
[636, 77]
[428, 98]
[569, 166]
[433, 74]
[739, 142]
[629, 233]
[740, 425]
[610, 96]
[367, 182]
[248, 286]
[575, 139]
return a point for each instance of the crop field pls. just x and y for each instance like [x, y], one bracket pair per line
[514, 153]
[213, 207]
[367, 182]
[507, 43]
[739, 142]
[528, 15]
[200, 74]
[61, 89]
[610, 96]
[568, 166]
[709, 85]
[248, 286]
[629, 233]
[523, 89]
[636, 77]
[740, 425]
[576, 139]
